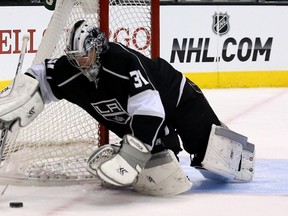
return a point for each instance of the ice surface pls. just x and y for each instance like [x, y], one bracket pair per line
[261, 114]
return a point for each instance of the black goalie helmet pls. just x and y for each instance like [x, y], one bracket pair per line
[86, 40]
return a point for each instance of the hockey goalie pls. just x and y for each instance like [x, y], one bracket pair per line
[146, 102]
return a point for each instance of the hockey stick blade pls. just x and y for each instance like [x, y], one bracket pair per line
[5, 188]
[3, 138]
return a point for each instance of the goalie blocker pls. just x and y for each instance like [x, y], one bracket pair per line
[20, 104]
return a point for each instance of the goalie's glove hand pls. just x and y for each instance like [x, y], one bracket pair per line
[119, 164]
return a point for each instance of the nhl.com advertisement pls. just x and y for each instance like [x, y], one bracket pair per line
[246, 48]
[203, 39]
[224, 38]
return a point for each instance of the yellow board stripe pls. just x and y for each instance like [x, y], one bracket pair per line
[245, 79]
[4, 83]
[240, 79]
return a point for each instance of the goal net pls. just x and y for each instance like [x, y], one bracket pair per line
[54, 148]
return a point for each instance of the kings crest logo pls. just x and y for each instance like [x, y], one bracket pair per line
[220, 23]
[111, 110]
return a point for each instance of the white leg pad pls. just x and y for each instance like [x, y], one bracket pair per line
[246, 171]
[228, 156]
[162, 176]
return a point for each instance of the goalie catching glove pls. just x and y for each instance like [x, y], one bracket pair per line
[119, 164]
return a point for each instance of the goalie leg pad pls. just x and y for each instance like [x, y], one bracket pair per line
[121, 167]
[246, 171]
[162, 176]
[229, 157]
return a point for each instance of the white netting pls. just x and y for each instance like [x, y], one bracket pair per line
[56, 145]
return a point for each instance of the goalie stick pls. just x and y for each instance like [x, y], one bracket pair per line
[3, 125]
[5, 188]
[23, 50]
[25, 40]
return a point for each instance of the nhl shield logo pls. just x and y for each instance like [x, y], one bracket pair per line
[220, 23]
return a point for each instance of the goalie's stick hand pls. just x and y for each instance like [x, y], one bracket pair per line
[6, 126]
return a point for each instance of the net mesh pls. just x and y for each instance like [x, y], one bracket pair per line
[57, 144]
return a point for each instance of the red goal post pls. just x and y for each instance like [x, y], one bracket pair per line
[54, 148]
[154, 41]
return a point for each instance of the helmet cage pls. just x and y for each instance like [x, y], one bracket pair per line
[84, 37]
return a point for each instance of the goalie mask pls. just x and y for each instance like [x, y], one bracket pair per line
[85, 44]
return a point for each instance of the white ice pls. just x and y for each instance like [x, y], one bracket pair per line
[260, 113]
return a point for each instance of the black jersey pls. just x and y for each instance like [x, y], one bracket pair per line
[132, 93]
